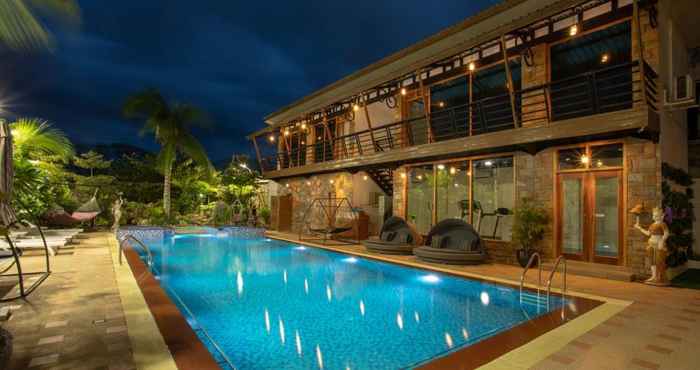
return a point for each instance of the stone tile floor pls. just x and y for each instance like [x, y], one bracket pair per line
[659, 330]
[74, 320]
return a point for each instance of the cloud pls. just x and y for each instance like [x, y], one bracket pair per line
[236, 60]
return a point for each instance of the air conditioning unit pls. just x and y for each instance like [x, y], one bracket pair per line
[683, 93]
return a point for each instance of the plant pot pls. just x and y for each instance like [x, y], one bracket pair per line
[523, 256]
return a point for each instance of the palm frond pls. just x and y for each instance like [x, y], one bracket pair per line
[35, 137]
[148, 104]
[166, 157]
[20, 29]
[194, 149]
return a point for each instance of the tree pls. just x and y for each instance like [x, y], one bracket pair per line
[91, 160]
[20, 24]
[38, 151]
[170, 124]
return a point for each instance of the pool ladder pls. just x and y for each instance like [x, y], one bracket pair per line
[149, 255]
[539, 278]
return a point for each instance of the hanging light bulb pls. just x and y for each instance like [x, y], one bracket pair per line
[472, 66]
[585, 159]
[453, 170]
[355, 107]
[303, 126]
[441, 167]
[364, 177]
[403, 91]
[403, 175]
[286, 132]
[573, 30]
[441, 104]
[604, 58]
[271, 138]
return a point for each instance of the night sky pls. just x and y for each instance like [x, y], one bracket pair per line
[237, 60]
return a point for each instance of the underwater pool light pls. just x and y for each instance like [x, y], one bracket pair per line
[300, 248]
[430, 278]
[350, 260]
[485, 299]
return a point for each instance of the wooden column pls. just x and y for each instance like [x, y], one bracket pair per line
[369, 126]
[257, 153]
[509, 79]
[640, 50]
[426, 106]
[328, 135]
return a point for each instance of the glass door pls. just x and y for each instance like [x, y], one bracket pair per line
[572, 204]
[607, 216]
[590, 216]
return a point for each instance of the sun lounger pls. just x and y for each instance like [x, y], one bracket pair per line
[26, 244]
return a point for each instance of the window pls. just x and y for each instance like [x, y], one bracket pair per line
[420, 198]
[449, 110]
[489, 183]
[453, 191]
[493, 197]
[591, 157]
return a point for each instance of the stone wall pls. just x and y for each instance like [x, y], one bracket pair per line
[304, 191]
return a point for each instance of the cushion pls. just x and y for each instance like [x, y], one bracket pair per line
[388, 236]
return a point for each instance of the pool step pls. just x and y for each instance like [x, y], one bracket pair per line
[534, 299]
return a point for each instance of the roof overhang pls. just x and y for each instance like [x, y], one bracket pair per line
[482, 27]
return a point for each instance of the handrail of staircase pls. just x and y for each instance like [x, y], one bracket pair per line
[527, 267]
[149, 255]
[551, 276]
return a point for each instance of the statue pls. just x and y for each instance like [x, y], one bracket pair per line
[117, 212]
[656, 248]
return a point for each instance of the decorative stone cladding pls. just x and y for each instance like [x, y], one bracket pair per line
[535, 177]
[304, 191]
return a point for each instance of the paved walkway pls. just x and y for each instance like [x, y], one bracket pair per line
[74, 320]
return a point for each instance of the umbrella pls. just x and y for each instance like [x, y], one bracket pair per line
[7, 214]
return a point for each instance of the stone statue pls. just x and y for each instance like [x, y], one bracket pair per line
[117, 212]
[656, 248]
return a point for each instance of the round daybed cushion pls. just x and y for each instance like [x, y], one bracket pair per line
[388, 248]
[449, 256]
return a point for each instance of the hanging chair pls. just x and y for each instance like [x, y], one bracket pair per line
[330, 219]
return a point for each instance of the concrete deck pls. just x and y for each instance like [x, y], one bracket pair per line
[76, 319]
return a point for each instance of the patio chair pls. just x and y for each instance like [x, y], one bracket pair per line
[452, 241]
[395, 237]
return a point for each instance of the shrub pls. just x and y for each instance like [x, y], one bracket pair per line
[530, 223]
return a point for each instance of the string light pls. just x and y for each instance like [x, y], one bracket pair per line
[573, 30]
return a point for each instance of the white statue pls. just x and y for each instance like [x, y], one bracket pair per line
[656, 248]
[117, 212]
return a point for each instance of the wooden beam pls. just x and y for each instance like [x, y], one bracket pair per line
[426, 106]
[257, 153]
[509, 78]
[640, 49]
[371, 129]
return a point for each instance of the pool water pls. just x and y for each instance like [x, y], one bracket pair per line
[259, 303]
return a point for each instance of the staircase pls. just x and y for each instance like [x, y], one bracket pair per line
[384, 178]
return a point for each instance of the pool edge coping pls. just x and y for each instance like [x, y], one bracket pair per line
[148, 347]
[150, 341]
[534, 350]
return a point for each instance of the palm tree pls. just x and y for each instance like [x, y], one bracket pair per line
[36, 139]
[20, 24]
[170, 124]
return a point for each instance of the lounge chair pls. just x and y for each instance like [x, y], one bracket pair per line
[452, 241]
[36, 243]
[395, 237]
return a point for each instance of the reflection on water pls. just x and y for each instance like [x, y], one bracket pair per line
[345, 308]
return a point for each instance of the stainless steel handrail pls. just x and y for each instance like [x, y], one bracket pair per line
[551, 276]
[143, 246]
[527, 267]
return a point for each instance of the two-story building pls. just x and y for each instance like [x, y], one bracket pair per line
[561, 101]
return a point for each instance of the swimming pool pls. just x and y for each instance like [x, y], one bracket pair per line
[259, 303]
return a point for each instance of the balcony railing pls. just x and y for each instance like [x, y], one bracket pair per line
[606, 90]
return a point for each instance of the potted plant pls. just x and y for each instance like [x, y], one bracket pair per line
[529, 226]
